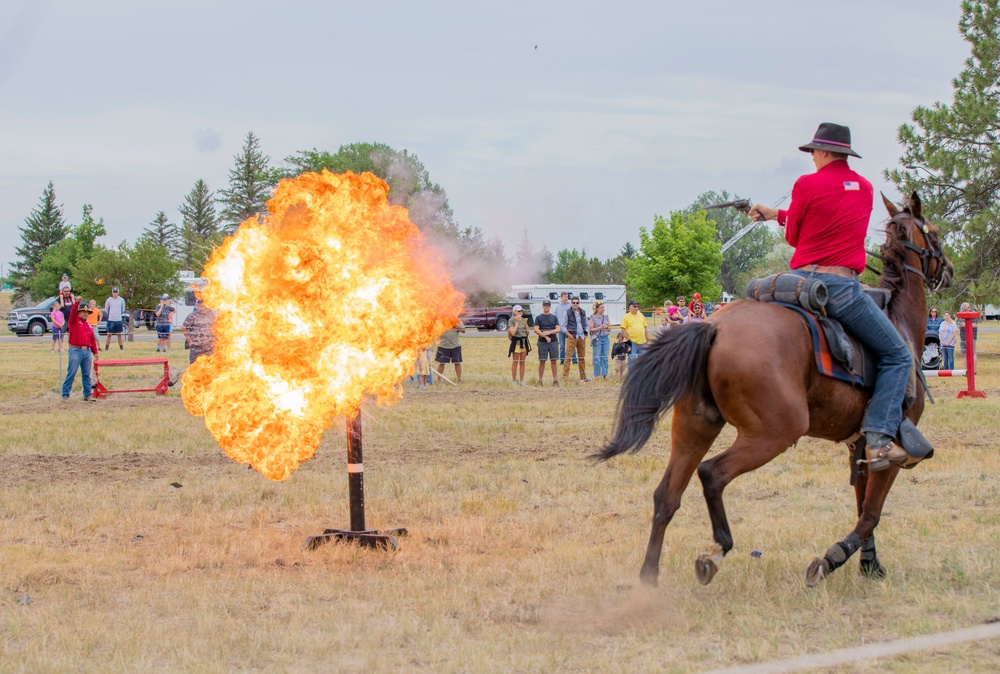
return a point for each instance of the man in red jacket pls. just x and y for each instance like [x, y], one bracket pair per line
[82, 347]
[826, 223]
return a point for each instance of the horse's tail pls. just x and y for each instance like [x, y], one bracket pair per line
[672, 367]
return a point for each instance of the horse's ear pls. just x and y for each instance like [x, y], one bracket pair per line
[889, 206]
[915, 207]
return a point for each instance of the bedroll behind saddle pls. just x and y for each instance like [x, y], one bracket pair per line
[810, 294]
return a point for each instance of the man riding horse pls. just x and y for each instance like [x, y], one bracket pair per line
[826, 223]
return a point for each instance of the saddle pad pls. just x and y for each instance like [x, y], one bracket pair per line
[825, 362]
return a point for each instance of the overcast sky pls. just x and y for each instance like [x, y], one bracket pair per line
[577, 121]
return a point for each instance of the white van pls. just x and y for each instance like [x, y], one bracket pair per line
[184, 304]
[532, 295]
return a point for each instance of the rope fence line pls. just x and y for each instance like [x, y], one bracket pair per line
[868, 652]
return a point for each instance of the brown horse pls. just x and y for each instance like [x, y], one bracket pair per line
[705, 372]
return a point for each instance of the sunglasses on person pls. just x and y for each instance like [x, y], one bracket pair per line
[575, 302]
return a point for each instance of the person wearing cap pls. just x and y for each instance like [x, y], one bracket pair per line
[64, 284]
[114, 309]
[82, 350]
[197, 329]
[547, 328]
[635, 326]
[517, 331]
[164, 323]
[826, 223]
[577, 329]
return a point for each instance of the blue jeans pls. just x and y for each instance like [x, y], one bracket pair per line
[865, 321]
[601, 347]
[562, 346]
[637, 350]
[949, 357]
[79, 359]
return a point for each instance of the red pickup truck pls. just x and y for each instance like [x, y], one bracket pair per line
[492, 318]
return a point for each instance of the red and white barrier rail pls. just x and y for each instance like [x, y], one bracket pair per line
[970, 359]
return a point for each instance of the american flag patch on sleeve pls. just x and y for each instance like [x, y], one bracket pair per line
[851, 185]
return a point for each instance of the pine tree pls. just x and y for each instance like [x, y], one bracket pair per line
[43, 228]
[161, 232]
[951, 155]
[250, 185]
[200, 229]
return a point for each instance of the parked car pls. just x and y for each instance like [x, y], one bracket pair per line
[492, 318]
[33, 321]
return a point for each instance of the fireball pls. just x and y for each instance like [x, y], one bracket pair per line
[322, 304]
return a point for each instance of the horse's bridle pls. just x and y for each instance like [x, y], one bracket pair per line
[927, 255]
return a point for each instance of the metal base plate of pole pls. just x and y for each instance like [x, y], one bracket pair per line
[383, 540]
[358, 533]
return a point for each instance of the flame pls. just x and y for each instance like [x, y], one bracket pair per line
[324, 303]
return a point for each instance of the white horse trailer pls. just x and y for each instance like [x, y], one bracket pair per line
[532, 295]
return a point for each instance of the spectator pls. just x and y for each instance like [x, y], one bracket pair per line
[933, 322]
[948, 336]
[94, 318]
[547, 329]
[449, 350]
[600, 339]
[669, 311]
[577, 330]
[82, 351]
[517, 331]
[682, 309]
[423, 367]
[961, 329]
[164, 319]
[114, 308]
[66, 300]
[562, 312]
[635, 326]
[64, 284]
[620, 354]
[696, 313]
[58, 324]
[664, 326]
[197, 329]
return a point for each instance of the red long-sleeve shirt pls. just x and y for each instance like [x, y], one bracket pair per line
[828, 218]
[80, 333]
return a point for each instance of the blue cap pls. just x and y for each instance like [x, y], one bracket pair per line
[164, 297]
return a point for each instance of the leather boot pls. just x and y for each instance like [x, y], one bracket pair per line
[881, 456]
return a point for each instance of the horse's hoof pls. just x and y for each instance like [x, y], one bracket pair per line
[649, 577]
[705, 568]
[873, 570]
[816, 572]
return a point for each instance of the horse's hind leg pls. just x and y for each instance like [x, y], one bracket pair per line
[749, 452]
[871, 567]
[691, 436]
[875, 493]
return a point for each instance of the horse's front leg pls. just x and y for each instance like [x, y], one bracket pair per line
[871, 567]
[691, 437]
[749, 452]
[875, 493]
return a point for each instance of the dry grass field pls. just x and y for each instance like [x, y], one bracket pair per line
[522, 555]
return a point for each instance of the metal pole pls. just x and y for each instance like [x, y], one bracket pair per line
[970, 356]
[356, 472]
[383, 539]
